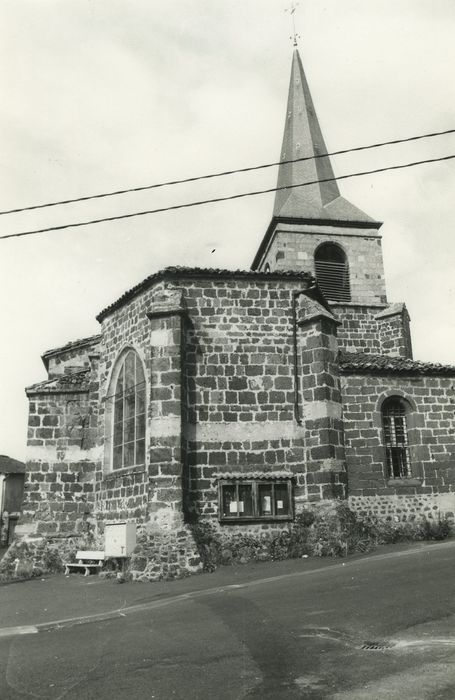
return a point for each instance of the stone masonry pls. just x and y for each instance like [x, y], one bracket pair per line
[258, 395]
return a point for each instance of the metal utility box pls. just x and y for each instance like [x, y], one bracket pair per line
[119, 539]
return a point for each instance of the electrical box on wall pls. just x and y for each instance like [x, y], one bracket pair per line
[119, 539]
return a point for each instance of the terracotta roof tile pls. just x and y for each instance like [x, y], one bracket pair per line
[364, 362]
[283, 474]
[66, 383]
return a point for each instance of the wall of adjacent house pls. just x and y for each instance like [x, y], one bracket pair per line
[431, 433]
[14, 491]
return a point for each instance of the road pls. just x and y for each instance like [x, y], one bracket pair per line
[298, 634]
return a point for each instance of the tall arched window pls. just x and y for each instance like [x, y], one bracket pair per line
[128, 419]
[394, 411]
[332, 272]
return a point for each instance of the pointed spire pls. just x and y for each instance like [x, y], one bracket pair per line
[303, 137]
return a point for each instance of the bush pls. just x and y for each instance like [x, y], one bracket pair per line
[331, 529]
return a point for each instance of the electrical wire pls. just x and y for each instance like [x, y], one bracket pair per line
[225, 172]
[241, 195]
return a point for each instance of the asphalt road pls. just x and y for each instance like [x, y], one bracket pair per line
[298, 634]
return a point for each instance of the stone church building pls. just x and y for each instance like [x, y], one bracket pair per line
[240, 397]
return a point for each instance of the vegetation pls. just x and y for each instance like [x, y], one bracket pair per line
[330, 530]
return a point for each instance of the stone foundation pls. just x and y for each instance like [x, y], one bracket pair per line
[34, 556]
[164, 555]
[407, 508]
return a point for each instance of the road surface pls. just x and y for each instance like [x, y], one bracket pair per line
[374, 628]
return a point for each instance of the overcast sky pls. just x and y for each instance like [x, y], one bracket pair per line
[100, 95]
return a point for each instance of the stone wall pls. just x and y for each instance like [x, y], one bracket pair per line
[74, 355]
[431, 433]
[374, 329]
[62, 456]
[293, 247]
[164, 555]
[405, 508]
[240, 383]
[325, 465]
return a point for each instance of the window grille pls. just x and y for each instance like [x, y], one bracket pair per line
[396, 438]
[332, 272]
[128, 426]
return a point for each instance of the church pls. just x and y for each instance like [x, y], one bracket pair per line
[241, 397]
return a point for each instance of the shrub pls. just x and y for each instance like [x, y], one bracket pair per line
[331, 529]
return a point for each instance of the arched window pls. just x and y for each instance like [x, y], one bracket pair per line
[394, 411]
[267, 267]
[332, 272]
[128, 417]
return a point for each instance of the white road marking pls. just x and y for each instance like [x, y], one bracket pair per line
[163, 602]
[13, 631]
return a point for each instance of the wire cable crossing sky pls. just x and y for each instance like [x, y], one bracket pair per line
[224, 199]
[226, 172]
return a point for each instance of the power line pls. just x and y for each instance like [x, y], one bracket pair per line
[241, 195]
[224, 173]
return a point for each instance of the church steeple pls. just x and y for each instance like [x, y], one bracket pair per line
[314, 228]
[303, 138]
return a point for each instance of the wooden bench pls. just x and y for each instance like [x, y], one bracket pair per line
[88, 561]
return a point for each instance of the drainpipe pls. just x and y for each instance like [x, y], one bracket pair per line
[2, 488]
[297, 413]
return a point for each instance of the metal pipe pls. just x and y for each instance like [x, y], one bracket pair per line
[297, 414]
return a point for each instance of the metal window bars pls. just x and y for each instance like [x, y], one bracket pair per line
[396, 440]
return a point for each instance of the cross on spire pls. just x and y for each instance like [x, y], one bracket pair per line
[291, 9]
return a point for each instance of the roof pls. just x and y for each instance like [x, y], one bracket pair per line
[281, 474]
[201, 273]
[352, 363]
[73, 382]
[73, 345]
[393, 310]
[8, 465]
[303, 138]
[320, 203]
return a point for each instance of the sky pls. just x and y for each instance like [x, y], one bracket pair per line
[99, 95]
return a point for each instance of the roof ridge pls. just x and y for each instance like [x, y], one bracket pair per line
[72, 343]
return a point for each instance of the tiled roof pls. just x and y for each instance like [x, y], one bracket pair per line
[363, 362]
[255, 475]
[320, 199]
[90, 340]
[64, 384]
[8, 465]
[200, 273]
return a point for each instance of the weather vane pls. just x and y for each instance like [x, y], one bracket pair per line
[291, 11]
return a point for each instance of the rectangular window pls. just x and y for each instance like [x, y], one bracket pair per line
[255, 500]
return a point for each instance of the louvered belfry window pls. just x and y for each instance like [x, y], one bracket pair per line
[332, 272]
[396, 438]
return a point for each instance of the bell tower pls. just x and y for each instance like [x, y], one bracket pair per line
[314, 228]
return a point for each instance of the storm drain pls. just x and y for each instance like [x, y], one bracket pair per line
[377, 646]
